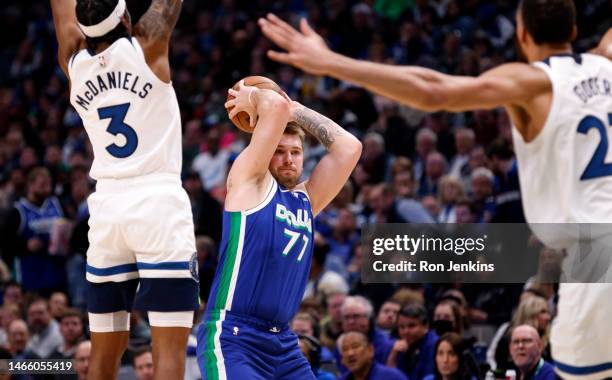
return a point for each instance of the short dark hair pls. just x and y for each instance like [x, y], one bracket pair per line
[549, 21]
[416, 311]
[139, 351]
[91, 12]
[71, 312]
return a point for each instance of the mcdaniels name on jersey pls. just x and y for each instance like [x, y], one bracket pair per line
[112, 80]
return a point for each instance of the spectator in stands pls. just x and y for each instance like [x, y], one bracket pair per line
[387, 315]
[13, 293]
[447, 318]
[426, 142]
[435, 167]
[359, 357]
[331, 325]
[212, 163]
[413, 353]
[142, 360]
[311, 348]
[28, 234]
[58, 302]
[358, 315]
[81, 359]
[46, 336]
[18, 338]
[482, 191]
[387, 209]
[450, 360]
[450, 191]
[306, 324]
[464, 143]
[532, 310]
[8, 314]
[526, 350]
[71, 328]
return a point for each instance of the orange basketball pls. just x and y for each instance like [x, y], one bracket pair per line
[241, 120]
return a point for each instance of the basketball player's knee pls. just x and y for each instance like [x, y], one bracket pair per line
[171, 319]
[109, 322]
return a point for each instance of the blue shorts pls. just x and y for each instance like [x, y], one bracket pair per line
[236, 347]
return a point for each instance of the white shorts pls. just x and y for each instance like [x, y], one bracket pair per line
[581, 337]
[141, 246]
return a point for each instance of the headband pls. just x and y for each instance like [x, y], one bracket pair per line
[106, 25]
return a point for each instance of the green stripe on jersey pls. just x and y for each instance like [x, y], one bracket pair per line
[220, 299]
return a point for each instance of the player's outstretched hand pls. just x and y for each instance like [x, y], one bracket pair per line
[244, 100]
[305, 48]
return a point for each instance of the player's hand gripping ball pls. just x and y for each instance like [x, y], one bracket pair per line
[242, 119]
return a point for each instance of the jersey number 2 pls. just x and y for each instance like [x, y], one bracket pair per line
[117, 126]
[597, 167]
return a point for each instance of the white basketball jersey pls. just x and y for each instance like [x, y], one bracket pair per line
[566, 171]
[131, 116]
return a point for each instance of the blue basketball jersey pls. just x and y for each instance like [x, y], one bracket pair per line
[36, 222]
[265, 257]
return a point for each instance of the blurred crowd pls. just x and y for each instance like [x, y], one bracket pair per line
[415, 168]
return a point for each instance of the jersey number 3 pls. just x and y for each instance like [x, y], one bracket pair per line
[117, 126]
[597, 167]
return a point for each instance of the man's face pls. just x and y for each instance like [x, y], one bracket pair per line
[71, 329]
[38, 316]
[356, 352]
[81, 359]
[403, 185]
[57, 303]
[288, 161]
[525, 347]
[464, 142]
[302, 327]
[410, 329]
[143, 366]
[387, 316]
[41, 187]
[334, 306]
[13, 294]
[434, 166]
[18, 336]
[354, 318]
[481, 187]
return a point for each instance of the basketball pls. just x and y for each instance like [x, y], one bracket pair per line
[242, 119]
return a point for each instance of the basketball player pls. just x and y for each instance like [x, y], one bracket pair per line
[142, 245]
[561, 106]
[267, 240]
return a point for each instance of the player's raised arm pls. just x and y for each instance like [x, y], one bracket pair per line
[417, 87]
[605, 45]
[154, 30]
[270, 113]
[334, 169]
[69, 37]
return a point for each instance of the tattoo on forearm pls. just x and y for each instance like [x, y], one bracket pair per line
[160, 19]
[318, 125]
